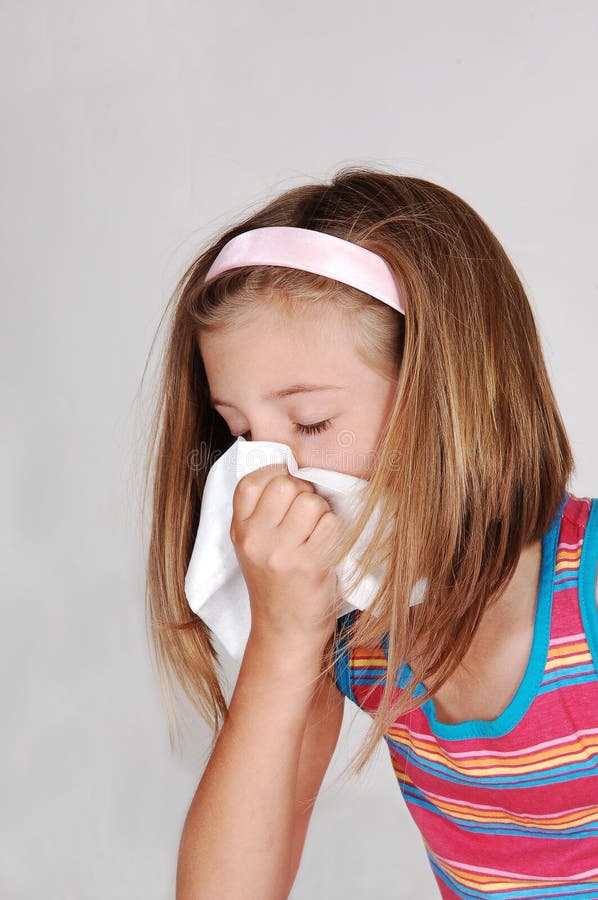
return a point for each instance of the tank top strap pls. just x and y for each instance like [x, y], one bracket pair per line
[574, 618]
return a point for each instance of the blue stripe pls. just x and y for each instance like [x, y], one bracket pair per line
[573, 831]
[367, 675]
[562, 682]
[553, 775]
[586, 891]
[564, 585]
[579, 669]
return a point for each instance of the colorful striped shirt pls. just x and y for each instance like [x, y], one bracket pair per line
[508, 807]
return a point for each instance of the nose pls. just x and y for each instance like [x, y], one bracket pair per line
[268, 434]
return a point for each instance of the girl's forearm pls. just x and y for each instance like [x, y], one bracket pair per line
[238, 834]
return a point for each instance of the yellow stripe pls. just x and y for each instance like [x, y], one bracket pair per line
[498, 816]
[529, 762]
[493, 882]
[569, 660]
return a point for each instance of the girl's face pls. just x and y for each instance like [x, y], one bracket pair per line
[254, 374]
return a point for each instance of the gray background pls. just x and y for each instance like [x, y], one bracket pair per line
[133, 132]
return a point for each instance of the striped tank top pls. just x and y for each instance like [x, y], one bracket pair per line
[508, 807]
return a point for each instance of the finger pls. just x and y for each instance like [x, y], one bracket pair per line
[276, 498]
[324, 535]
[250, 488]
[302, 516]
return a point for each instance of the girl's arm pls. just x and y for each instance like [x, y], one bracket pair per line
[245, 829]
[319, 742]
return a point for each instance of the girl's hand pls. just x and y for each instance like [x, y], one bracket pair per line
[281, 530]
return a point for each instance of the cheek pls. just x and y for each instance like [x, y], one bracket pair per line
[343, 449]
[359, 445]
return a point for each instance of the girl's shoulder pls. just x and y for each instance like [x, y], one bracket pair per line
[574, 530]
[580, 521]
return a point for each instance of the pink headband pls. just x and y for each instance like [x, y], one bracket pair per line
[312, 251]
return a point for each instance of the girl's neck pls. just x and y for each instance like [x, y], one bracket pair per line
[488, 677]
[513, 615]
[517, 606]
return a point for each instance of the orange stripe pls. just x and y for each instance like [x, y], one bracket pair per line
[566, 552]
[468, 814]
[528, 762]
[572, 646]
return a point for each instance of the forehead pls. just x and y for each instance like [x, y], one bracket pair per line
[278, 342]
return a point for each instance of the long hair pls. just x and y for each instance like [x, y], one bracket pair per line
[473, 461]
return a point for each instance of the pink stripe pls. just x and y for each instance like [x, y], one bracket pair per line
[570, 546]
[523, 877]
[476, 754]
[569, 638]
[466, 805]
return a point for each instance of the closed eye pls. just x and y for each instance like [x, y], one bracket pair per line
[316, 428]
[313, 429]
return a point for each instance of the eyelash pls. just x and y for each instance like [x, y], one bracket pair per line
[316, 428]
[313, 429]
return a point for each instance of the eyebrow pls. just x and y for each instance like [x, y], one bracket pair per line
[286, 392]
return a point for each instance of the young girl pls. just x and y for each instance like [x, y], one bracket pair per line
[376, 326]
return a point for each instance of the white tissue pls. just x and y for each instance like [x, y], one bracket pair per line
[214, 584]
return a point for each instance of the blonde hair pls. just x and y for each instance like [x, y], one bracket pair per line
[473, 462]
